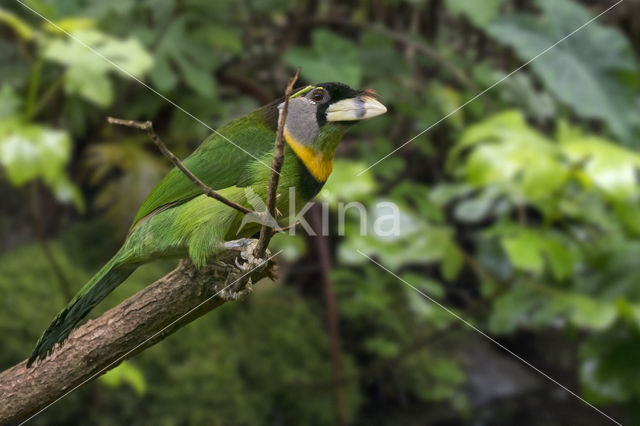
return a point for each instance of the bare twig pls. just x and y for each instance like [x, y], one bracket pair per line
[288, 227]
[278, 158]
[147, 126]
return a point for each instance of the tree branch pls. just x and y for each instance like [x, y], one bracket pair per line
[142, 320]
[267, 232]
[147, 126]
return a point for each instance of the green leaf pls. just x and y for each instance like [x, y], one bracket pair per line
[200, 80]
[70, 25]
[380, 59]
[125, 373]
[10, 102]
[30, 151]
[226, 38]
[593, 71]
[87, 73]
[480, 13]
[519, 91]
[504, 151]
[523, 252]
[190, 55]
[514, 309]
[473, 210]
[344, 184]
[608, 167]
[528, 249]
[587, 312]
[416, 241]
[330, 58]
[93, 85]
[452, 262]
[429, 286]
[535, 305]
[381, 347]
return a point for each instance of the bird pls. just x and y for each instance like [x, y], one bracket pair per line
[177, 220]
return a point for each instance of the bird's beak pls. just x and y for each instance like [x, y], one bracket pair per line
[358, 108]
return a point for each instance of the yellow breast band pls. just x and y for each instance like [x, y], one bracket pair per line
[318, 164]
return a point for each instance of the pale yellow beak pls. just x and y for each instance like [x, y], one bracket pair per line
[358, 108]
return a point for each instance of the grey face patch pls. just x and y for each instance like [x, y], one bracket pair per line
[301, 121]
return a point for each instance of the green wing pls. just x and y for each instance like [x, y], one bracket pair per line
[217, 162]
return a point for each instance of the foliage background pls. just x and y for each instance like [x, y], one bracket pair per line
[519, 212]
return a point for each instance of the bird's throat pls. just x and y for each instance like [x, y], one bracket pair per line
[317, 162]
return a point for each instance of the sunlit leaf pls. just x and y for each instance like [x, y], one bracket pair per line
[523, 252]
[30, 151]
[609, 167]
[70, 25]
[86, 72]
[125, 373]
[601, 88]
[505, 151]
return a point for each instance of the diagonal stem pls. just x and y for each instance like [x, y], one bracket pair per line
[278, 158]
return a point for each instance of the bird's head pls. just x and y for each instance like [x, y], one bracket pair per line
[319, 114]
[328, 104]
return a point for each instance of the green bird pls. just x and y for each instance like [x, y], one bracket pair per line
[177, 221]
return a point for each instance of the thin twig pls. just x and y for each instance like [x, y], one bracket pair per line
[288, 227]
[278, 158]
[147, 126]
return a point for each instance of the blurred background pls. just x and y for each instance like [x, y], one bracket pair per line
[519, 212]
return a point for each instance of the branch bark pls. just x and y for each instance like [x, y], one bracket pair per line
[141, 321]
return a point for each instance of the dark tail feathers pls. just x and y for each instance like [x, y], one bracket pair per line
[104, 282]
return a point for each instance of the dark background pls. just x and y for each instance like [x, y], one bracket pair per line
[519, 212]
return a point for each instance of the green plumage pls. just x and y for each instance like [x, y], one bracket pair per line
[177, 220]
[217, 162]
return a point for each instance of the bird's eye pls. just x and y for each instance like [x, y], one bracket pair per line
[317, 95]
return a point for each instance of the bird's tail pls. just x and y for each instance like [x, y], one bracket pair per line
[104, 282]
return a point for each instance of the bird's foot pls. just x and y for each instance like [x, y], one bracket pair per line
[239, 279]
